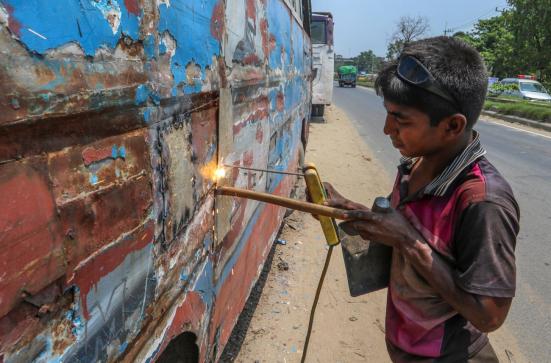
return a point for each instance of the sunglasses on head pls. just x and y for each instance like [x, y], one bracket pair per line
[412, 71]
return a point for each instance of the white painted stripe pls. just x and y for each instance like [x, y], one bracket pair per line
[37, 34]
[517, 128]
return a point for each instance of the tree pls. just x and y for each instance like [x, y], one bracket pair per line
[368, 62]
[494, 40]
[530, 26]
[407, 30]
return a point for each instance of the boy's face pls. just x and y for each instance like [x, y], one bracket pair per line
[411, 133]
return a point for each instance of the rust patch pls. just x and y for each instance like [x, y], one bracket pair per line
[251, 9]
[251, 59]
[92, 154]
[113, 160]
[19, 327]
[203, 133]
[187, 318]
[13, 24]
[265, 35]
[217, 21]
[280, 102]
[132, 7]
[93, 222]
[47, 135]
[259, 133]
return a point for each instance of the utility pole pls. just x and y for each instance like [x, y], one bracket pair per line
[446, 30]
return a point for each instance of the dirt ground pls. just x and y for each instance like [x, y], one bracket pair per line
[346, 329]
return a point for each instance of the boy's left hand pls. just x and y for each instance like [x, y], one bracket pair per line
[391, 228]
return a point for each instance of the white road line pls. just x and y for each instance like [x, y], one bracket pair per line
[518, 129]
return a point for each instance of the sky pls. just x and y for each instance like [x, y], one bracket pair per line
[361, 25]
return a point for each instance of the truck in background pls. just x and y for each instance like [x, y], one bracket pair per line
[113, 246]
[323, 61]
[347, 76]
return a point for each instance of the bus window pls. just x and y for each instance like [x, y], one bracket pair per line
[318, 33]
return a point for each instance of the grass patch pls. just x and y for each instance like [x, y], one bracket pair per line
[532, 111]
[365, 83]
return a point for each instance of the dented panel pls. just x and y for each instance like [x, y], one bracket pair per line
[114, 116]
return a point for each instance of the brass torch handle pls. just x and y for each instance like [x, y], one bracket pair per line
[300, 205]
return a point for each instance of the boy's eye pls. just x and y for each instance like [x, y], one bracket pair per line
[400, 121]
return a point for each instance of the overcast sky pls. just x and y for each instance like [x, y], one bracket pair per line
[368, 24]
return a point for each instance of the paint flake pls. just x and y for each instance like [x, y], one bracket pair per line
[111, 11]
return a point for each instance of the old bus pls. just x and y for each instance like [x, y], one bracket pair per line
[323, 61]
[115, 113]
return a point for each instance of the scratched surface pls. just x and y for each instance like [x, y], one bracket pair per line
[109, 133]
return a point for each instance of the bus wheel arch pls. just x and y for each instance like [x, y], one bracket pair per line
[181, 349]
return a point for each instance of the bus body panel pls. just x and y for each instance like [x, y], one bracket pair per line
[323, 56]
[109, 136]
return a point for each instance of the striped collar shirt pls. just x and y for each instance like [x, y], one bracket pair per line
[440, 185]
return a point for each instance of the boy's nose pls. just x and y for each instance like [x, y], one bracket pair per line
[389, 127]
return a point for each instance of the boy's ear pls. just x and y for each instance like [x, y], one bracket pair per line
[454, 125]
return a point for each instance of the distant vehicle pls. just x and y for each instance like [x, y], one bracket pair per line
[323, 61]
[527, 88]
[347, 76]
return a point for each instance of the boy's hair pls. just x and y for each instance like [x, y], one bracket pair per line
[455, 65]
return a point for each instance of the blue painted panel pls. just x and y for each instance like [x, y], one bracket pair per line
[279, 21]
[188, 22]
[47, 25]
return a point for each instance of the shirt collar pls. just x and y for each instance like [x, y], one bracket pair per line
[440, 185]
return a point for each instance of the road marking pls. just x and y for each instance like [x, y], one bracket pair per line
[518, 129]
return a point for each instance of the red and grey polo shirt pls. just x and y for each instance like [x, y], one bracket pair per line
[469, 216]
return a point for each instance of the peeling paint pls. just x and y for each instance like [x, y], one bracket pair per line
[114, 113]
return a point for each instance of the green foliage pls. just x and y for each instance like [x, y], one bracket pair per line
[394, 49]
[538, 112]
[518, 41]
[494, 40]
[366, 61]
[366, 83]
[531, 28]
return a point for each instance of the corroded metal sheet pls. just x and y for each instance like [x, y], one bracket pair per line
[109, 132]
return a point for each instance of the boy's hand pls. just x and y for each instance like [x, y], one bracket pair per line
[391, 228]
[336, 200]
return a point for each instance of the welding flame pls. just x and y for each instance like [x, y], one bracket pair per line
[219, 173]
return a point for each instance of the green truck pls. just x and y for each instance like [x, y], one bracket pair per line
[347, 76]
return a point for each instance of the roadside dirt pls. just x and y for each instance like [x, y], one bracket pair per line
[346, 329]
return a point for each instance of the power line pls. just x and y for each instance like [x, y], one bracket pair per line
[468, 23]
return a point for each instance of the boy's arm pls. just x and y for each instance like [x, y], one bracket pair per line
[481, 284]
[486, 313]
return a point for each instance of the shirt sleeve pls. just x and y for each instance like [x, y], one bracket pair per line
[485, 249]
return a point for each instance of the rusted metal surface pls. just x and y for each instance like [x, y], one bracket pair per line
[111, 123]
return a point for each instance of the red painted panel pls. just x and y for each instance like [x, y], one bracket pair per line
[30, 247]
[96, 220]
[79, 170]
[91, 271]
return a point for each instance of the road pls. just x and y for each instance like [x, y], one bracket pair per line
[524, 158]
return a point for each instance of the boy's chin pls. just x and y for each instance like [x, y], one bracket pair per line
[405, 153]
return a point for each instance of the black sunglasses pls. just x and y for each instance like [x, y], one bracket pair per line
[412, 71]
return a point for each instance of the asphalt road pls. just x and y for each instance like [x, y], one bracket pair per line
[524, 158]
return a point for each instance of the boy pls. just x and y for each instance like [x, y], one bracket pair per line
[455, 220]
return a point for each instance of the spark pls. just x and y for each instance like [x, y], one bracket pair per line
[219, 173]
